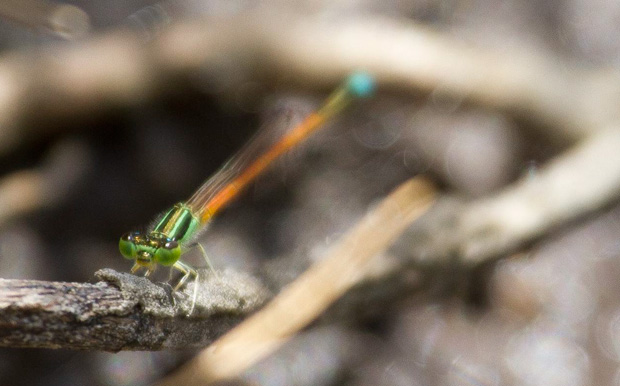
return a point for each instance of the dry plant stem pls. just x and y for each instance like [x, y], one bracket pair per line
[568, 101]
[137, 316]
[579, 181]
[313, 292]
[120, 69]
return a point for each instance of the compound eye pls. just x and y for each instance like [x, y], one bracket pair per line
[127, 246]
[169, 253]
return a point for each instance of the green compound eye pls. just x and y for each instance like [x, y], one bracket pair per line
[168, 254]
[127, 246]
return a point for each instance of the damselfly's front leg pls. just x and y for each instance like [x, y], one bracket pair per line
[148, 271]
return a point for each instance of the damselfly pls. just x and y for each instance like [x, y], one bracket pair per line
[176, 230]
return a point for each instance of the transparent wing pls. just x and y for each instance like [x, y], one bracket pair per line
[278, 123]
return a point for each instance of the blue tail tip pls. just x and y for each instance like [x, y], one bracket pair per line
[361, 84]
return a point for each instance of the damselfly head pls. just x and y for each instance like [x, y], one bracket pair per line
[149, 249]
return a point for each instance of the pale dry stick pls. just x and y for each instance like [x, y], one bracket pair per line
[313, 292]
[64, 20]
[567, 101]
[119, 69]
[579, 181]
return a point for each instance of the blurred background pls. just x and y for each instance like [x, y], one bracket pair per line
[71, 186]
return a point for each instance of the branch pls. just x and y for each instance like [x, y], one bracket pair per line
[121, 70]
[579, 181]
[125, 312]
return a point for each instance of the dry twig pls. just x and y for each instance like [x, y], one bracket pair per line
[125, 313]
[579, 181]
[119, 69]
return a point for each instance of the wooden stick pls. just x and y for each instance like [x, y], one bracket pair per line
[126, 312]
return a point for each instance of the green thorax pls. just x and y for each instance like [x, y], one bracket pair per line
[178, 224]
